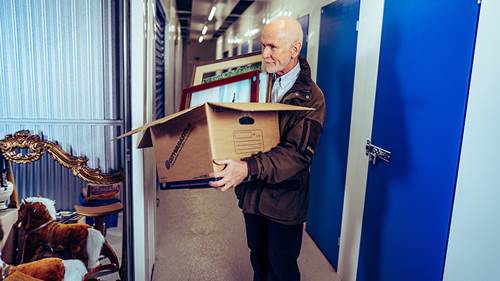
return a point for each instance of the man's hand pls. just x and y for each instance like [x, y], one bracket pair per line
[232, 175]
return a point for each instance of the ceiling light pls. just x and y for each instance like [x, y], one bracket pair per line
[212, 13]
[200, 39]
[204, 31]
[252, 32]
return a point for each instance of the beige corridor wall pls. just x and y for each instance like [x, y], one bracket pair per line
[258, 12]
[142, 98]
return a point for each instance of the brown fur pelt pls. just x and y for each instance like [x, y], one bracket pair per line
[50, 269]
[43, 237]
[19, 276]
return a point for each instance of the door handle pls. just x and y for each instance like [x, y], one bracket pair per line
[375, 152]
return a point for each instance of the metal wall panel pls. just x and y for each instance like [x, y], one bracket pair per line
[56, 79]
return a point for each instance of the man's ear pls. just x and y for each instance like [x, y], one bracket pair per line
[295, 49]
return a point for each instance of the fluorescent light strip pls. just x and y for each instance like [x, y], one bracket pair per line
[212, 13]
[200, 39]
[204, 31]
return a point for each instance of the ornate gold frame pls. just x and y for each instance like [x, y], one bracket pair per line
[37, 146]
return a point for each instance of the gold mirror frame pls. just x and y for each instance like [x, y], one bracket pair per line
[37, 146]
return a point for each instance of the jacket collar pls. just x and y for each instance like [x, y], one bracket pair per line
[302, 87]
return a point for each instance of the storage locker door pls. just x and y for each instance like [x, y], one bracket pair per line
[423, 80]
[337, 56]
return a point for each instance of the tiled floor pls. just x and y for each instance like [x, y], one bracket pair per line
[201, 237]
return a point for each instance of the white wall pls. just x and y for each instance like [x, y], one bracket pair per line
[365, 83]
[142, 100]
[474, 247]
[138, 75]
[173, 58]
[178, 68]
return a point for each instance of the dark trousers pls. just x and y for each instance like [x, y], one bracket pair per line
[274, 249]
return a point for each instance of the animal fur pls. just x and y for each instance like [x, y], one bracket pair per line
[74, 270]
[50, 269]
[95, 240]
[66, 241]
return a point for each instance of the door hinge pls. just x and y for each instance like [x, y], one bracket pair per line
[375, 152]
[338, 242]
[357, 25]
[479, 2]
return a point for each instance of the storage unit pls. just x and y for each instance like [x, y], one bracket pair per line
[424, 71]
[337, 58]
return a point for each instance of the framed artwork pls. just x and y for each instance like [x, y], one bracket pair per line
[235, 64]
[240, 88]
[231, 67]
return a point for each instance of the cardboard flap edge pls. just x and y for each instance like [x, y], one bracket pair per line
[254, 107]
[157, 122]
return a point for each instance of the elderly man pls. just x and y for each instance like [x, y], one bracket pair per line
[273, 186]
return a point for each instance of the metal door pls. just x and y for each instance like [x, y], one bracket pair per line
[423, 80]
[337, 57]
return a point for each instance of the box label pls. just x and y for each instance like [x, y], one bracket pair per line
[178, 147]
[248, 141]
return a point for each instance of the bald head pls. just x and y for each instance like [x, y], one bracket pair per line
[281, 43]
[285, 28]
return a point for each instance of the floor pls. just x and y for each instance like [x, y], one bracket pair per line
[201, 237]
[114, 237]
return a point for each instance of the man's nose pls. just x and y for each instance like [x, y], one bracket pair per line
[266, 52]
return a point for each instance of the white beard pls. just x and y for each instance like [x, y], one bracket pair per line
[273, 68]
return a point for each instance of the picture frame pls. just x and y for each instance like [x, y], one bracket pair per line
[235, 65]
[251, 61]
[240, 88]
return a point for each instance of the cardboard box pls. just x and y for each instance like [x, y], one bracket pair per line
[186, 143]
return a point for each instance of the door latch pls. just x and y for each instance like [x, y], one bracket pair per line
[375, 152]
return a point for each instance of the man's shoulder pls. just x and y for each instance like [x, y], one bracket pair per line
[316, 93]
[316, 88]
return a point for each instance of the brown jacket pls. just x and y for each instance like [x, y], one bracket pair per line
[279, 178]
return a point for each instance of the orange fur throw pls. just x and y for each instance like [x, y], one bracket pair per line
[19, 276]
[50, 269]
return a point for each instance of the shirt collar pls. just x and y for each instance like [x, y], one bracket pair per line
[290, 76]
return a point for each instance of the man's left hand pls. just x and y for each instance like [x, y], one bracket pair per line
[232, 175]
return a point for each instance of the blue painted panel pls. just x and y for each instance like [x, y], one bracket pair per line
[244, 48]
[256, 45]
[337, 57]
[304, 22]
[423, 80]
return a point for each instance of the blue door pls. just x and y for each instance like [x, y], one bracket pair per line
[244, 48]
[337, 57]
[423, 80]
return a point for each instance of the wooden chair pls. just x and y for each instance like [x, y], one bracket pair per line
[36, 146]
